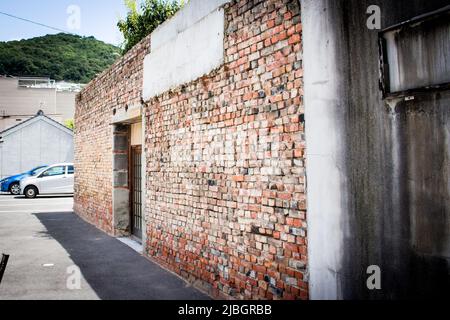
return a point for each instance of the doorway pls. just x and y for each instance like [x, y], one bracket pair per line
[136, 192]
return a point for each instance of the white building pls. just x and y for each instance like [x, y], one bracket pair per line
[37, 141]
[22, 98]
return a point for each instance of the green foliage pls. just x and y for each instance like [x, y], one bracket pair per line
[70, 124]
[140, 23]
[60, 57]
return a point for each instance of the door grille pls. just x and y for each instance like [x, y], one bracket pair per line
[136, 191]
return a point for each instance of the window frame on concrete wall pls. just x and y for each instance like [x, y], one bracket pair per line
[385, 77]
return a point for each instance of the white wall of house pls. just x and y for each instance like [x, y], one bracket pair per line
[39, 141]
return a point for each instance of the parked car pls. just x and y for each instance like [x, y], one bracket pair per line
[12, 184]
[55, 179]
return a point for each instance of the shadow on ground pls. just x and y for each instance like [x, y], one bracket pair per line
[112, 269]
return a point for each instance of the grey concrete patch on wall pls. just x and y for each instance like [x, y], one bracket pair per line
[185, 48]
[378, 182]
[121, 200]
[193, 12]
[127, 115]
[121, 192]
[120, 179]
[120, 162]
[121, 142]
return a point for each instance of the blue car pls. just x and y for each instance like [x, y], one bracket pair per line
[12, 184]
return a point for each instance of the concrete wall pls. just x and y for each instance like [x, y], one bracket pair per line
[25, 101]
[378, 169]
[65, 105]
[20, 104]
[121, 184]
[192, 13]
[186, 47]
[418, 56]
[39, 142]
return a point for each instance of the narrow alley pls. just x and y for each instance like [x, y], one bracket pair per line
[46, 242]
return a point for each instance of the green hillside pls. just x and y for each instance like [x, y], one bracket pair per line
[60, 57]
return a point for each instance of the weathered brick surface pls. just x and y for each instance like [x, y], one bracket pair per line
[225, 157]
[226, 198]
[119, 86]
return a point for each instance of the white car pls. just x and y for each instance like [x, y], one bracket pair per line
[55, 179]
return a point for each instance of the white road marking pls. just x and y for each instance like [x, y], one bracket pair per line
[48, 265]
[10, 205]
[32, 204]
[62, 210]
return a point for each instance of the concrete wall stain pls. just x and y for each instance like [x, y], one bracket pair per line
[395, 212]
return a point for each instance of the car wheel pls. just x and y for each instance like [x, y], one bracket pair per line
[31, 192]
[15, 189]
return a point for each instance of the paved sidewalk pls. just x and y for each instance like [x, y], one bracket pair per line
[43, 245]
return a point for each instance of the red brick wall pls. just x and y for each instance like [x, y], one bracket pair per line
[226, 203]
[115, 88]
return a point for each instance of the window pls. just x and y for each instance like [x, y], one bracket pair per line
[36, 171]
[415, 55]
[55, 171]
[70, 170]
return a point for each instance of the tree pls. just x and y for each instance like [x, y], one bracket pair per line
[70, 124]
[140, 23]
[60, 57]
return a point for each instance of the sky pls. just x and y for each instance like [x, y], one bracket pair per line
[96, 18]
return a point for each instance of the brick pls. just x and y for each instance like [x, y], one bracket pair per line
[295, 38]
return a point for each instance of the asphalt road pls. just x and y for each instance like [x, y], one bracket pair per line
[49, 246]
